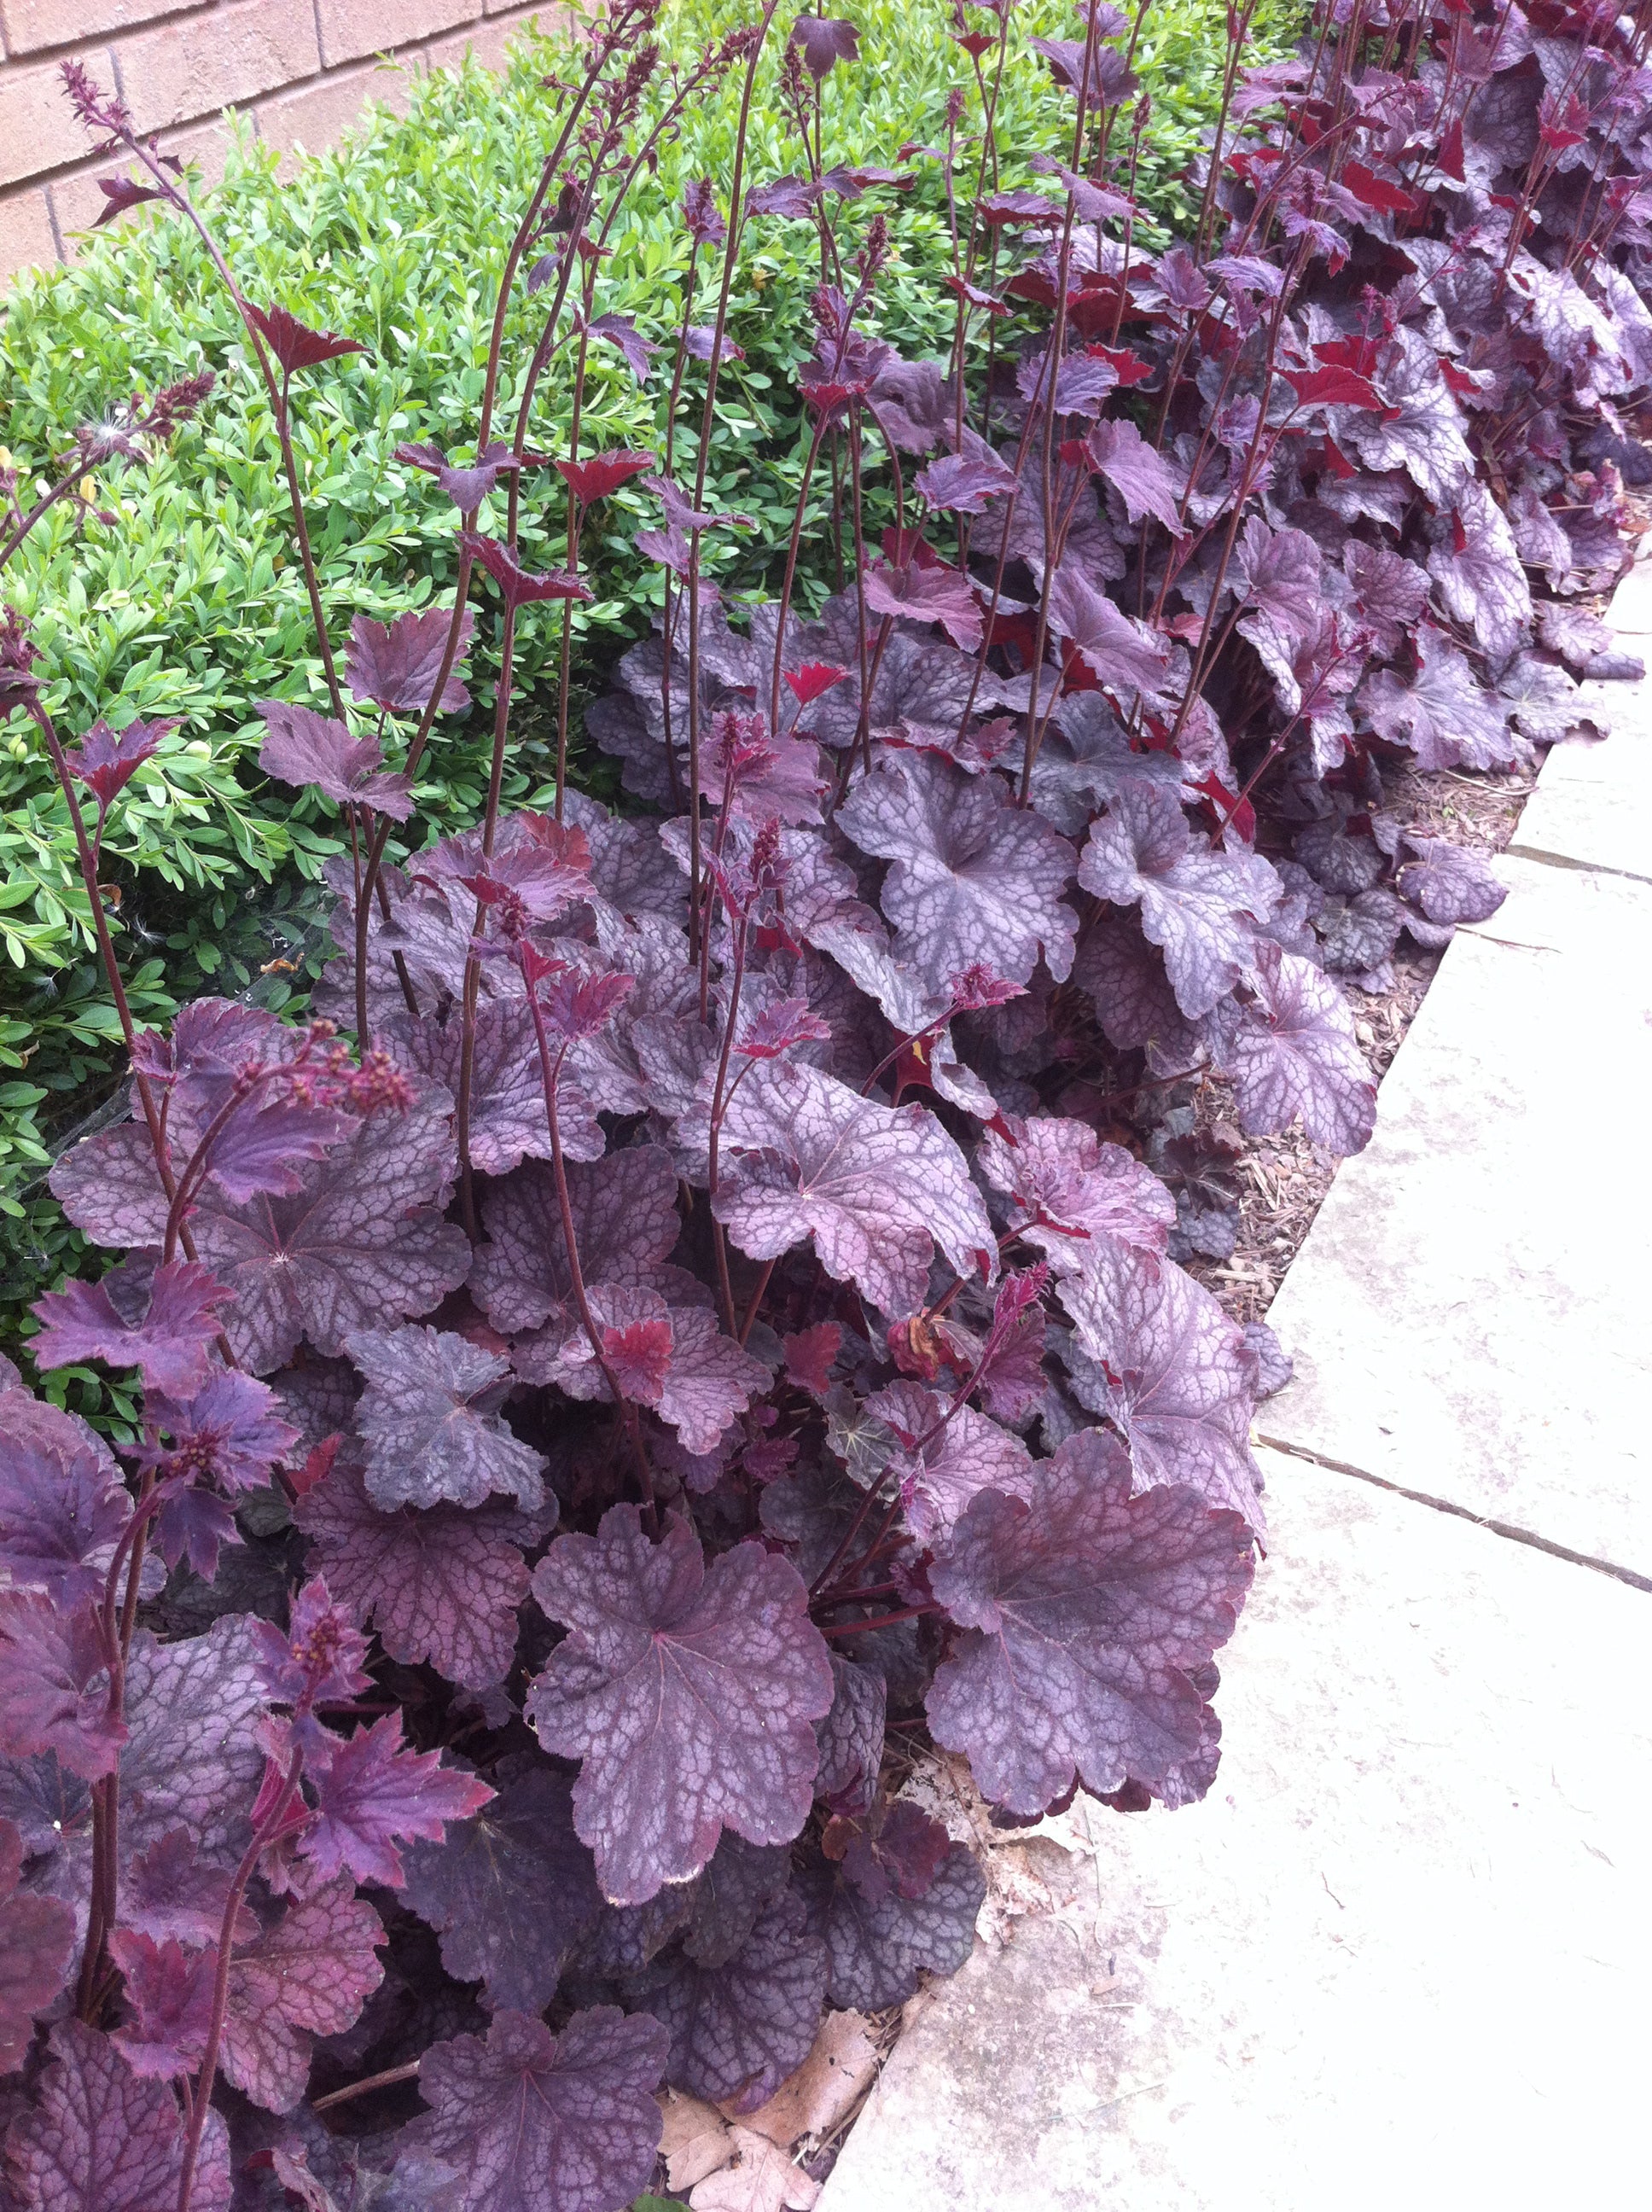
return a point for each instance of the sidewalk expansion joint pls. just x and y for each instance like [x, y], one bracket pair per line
[1517, 852]
[1504, 1528]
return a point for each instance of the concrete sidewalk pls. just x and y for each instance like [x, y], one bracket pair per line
[1403, 1948]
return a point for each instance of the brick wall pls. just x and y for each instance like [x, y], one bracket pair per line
[300, 70]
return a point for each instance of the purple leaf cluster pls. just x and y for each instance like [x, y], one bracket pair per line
[718, 1277]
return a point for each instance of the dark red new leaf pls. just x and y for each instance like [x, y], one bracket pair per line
[293, 344]
[374, 1793]
[395, 664]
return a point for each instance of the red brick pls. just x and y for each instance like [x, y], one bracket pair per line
[489, 41]
[27, 239]
[33, 24]
[317, 113]
[193, 67]
[353, 28]
[38, 130]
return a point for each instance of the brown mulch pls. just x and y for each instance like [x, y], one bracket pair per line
[1283, 1180]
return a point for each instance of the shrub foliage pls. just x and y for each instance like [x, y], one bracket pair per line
[678, 1304]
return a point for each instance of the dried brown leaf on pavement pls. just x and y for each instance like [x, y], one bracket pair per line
[761, 2178]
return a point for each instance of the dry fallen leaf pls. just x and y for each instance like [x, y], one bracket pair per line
[762, 2178]
[695, 2139]
[811, 2101]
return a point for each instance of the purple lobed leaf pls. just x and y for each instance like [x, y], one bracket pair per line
[1073, 1195]
[395, 664]
[1168, 1368]
[304, 747]
[162, 1320]
[62, 1505]
[876, 1188]
[99, 2139]
[430, 1421]
[877, 1947]
[1291, 1055]
[1087, 1611]
[37, 1939]
[1200, 906]
[974, 879]
[374, 1793]
[688, 1693]
[739, 2029]
[528, 2119]
[510, 1891]
[442, 1585]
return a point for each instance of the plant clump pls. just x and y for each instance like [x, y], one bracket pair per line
[690, 1296]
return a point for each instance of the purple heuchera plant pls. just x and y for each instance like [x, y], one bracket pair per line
[706, 1312]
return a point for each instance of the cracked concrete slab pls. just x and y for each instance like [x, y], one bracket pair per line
[1401, 1949]
[1468, 1315]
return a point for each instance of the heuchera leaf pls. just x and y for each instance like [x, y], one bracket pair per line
[528, 2119]
[166, 1892]
[1278, 573]
[441, 1585]
[1478, 573]
[738, 2030]
[1448, 883]
[304, 747]
[620, 331]
[878, 1944]
[926, 593]
[62, 1504]
[970, 1453]
[372, 1793]
[1446, 717]
[37, 1939]
[106, 761]
[1141, 476]
[876, 1188]
[162, 1320]
[822, 40]
[1120, 653]
[395, 664]
[851, 1737]
[307, 1974]
[625, 1222]
[430, 1419]
[293, 344]
[1169, 1368]
[730, 1896]
[595, 477]
[1086, 1612]
[1074, 1196]
[974, 878]
[510, 1890]
[360, 1245]
[959, 484]
[519, 586]
[1292, 1055]
[1199, 905]
[687, 1694]
[809, 1354]
[99, 2139]
[53, 1687]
